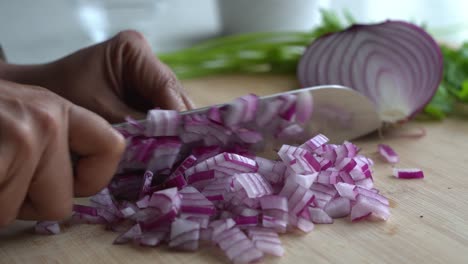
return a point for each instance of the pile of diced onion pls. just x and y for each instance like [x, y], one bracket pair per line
[193, 180]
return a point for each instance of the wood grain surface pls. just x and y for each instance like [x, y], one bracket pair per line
[429, 221]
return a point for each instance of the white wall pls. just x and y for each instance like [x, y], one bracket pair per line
[41, 30]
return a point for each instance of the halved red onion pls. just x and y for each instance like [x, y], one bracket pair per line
[411, 173]
[400, 74]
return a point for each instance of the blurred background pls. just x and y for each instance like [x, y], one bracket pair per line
[38, 31]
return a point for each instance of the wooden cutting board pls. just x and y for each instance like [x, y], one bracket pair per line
[429, 221]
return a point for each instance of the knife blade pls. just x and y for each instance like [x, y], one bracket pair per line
[339, 112]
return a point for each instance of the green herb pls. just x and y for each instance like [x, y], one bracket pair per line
[265, 52]
[453, 90]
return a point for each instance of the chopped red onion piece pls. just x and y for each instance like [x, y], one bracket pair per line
[166, 200]
[185, 164]
[319, 216]
[176, 180]
[411, 173]
[324, 188]
[366, 192]
[367, 183]
[298, 159]
[132, 234]
[345, 177]
[252, 183]
[246, 220]
[303, 224]
[146, 187]
[357, 174]
[388, 153]
[162, 123]
[346, 165]
[127, 209]
[241, 110]
[338, 207]
[366, 205]
[151, 239]
[325, 164]
[220, 226]
[289, 131]
[47, 228]
[315, 142]
[211, 133]
[327, 176]
[347, 190]
[165, 154]
[227, 163]
[237, 246]
[298, 197]
[273, 171]
[268, 113]
[184, 235]
[249, 136]
[266, 241]
[288, 109]
[204, 152]
[305, 180]
[194, 202]
[214, 114]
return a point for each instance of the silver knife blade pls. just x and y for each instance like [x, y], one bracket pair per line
[339, 112]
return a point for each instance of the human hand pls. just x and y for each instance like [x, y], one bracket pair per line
[117, 78]
[37, 131]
